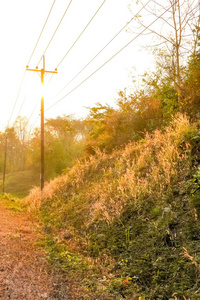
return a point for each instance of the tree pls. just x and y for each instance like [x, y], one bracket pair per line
[191, 87]
[21, 126]
[162, 88]
[174, 30]
[14, 154]
[111, 128]
[98, 134]
[64, 142]
[22, 131]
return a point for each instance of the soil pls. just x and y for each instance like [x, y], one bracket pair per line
[24, 269]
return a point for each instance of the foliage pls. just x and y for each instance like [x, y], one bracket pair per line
[64, 142]
[134, 214]
[162, 87]
[177, 36]
[12, 203]
[113, 128]
[15, 151]
[191, 87]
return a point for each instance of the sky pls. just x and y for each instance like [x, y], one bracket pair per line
[21, 23]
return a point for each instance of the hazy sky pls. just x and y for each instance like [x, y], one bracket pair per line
[21, 23]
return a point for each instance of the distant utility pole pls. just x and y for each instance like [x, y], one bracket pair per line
[42, 72]
[4, 166]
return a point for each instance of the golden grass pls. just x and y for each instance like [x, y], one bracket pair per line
[103, 184]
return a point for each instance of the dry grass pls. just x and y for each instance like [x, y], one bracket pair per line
[101, 187]
[103, 184]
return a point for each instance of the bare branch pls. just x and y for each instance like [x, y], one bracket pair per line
[156, 15]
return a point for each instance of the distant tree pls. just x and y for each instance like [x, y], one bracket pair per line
[64, 142]
[21, 126]
[112, 128]
[14, 150]
[2, 149]
[71, 134]
[22, 131]
[97, 120]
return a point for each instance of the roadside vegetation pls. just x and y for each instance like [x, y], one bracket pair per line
[127, 223]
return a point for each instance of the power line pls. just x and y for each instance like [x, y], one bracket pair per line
[17, 98]
[78, 38]
[29, 118]
[81, 33]
[104, 47]
[28, 63]
[55, 30]
[21, 106]
[25, 97]
[33, 124]
[41, 32]
[33, 111]
[110, 58]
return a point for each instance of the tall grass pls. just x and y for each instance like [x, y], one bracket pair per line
[98, 188]
[129, 213]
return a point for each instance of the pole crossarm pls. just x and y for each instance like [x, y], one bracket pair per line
[36, 70]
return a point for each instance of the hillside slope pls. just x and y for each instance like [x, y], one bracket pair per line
[132, 217]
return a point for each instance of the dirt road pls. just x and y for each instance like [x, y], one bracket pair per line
[24, 271]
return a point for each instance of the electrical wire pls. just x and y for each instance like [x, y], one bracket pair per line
[21, 106]
[143, 7]
[81, 33]
[78, 38]
[41, 32]
[109, 59]
[25, 97]
[32, 112]
[31, 127]
[55, 30]
[28, 64]
[33, 124]
[17, 98]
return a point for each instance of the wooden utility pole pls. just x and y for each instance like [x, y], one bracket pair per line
[42, 72]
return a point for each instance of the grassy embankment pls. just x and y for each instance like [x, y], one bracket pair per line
[127, 225]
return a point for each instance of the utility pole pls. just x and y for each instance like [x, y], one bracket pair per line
[42, 72]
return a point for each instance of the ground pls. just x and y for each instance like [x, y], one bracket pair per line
[24, 270]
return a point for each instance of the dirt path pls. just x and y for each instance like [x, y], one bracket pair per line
[24, 271]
